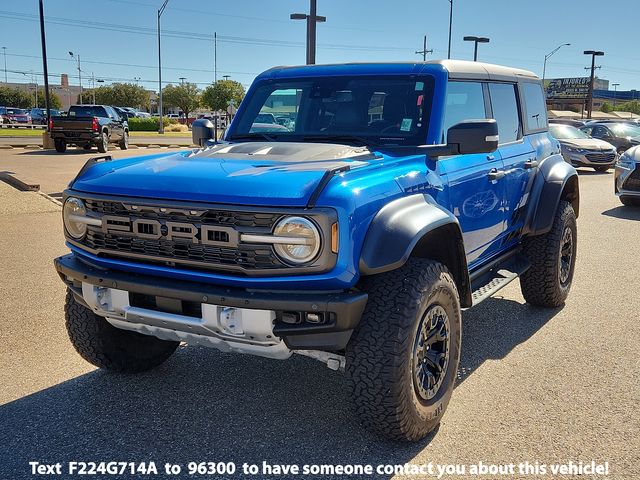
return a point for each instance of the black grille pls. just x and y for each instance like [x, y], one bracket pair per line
[633, 181]
[227, 218]
[182, 251]
[601, 157]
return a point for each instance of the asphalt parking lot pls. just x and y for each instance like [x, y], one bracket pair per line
[535, 385]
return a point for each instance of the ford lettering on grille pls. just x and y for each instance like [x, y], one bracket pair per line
[152, 229]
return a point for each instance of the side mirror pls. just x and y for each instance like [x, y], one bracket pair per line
[473, 136]
[202, 131]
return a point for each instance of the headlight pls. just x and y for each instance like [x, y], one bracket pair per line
[304, 238]
[71, 212]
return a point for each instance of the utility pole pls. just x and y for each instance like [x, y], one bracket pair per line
[77, 57]
[160, 124]
[476, 41]
[615, 93]
[312, 19]
[4, 49]
[424, 50]
[450, 25]
[594, 54]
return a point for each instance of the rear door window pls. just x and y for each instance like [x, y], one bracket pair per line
[504, 105]
[465, 101]
[535, 107]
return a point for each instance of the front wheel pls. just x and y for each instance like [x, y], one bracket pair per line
[108, 347]
[553, 258]
[103, 143]
[402, 359]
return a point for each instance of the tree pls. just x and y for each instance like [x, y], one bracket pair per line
[14, 97]
[53, 98]
[218, 95]
[632, 106]
[606, 107]
[185, 96]
[117, 94]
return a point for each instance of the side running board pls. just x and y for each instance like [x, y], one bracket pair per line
[498, 277]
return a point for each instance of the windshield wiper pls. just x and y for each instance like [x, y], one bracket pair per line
[253, 136]
[340, 138]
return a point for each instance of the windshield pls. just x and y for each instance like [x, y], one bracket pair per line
[87, 111]
[16, 111]
[369, 110]
[624, 130]
[562, 132]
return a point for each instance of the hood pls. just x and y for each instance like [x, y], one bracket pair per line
[586, 143]
[251, 173]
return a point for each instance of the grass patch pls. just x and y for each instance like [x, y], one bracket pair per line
[27, 132]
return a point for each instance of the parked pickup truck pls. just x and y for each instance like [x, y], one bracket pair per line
[405, 193]
[89, 125]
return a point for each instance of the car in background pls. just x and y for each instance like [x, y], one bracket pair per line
[15, 115]
[89, 125]
[621, 135]
[627, 177]
[39, 115]
[629, 121]
[581, 150]
[259, 127]
[568, 121]
[124, 112]
[142, 114]
[265, 118]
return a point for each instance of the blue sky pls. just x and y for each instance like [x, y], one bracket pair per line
[116, 38]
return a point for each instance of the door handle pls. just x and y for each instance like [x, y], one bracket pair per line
[491, 157]
[531, 163]
[495, 174]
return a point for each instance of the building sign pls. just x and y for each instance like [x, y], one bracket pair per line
[577, 87]
[567, 87]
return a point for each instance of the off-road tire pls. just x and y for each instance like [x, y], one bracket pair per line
[630, 201]
[541, 284]
[103, 143]
[61, 145]
[108, 347]
[124, 141]
[379, 356]
[601, 169]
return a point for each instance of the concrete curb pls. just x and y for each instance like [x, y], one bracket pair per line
[15, 182]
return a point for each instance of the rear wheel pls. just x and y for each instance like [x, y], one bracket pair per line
[124, 142]
[103, 143]
[630, 201]
[553, 257]
[108, 347]
[61, 145]
[402, 359]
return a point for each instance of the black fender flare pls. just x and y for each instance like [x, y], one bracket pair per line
[415, 225]
[556, 180]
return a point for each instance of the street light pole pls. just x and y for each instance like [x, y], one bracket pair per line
[450, 25]
[4, 49]
[79, 74]
[312, 19]
[548, 56]
[160, 124]
[615, 93]
[594, 54]
[476, 41]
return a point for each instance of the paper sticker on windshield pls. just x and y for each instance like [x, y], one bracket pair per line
[419, 86]
[405, 126]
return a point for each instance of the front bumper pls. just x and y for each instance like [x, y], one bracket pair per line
[627, 179]
[594, 158]
[340, 311]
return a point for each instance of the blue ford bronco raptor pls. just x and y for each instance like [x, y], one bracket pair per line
[393, 197]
